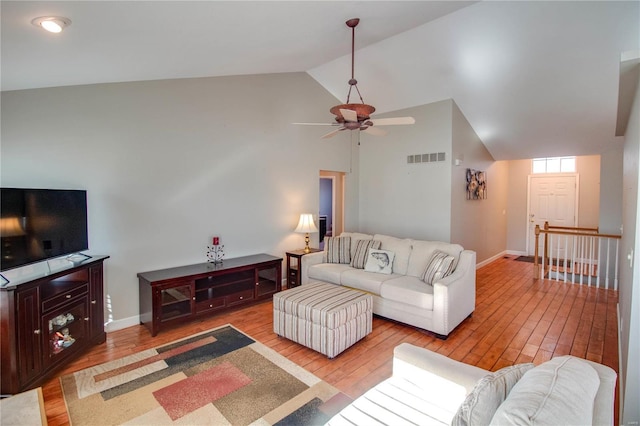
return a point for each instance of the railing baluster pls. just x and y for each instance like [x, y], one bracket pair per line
[606, 279]
[581, 259]
[566, 260]
[573, 262]
[590, 259]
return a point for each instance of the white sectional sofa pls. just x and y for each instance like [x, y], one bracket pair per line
[427, 388]
[403, 295]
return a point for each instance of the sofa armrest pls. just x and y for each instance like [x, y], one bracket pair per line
[411, 361]
[442, 381]
[454, 296]
[308, 260]
[604, 402]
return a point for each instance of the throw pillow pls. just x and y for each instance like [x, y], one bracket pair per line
[487, 395]
[559, 391]
[359, 257]
[337, 249]
[440, 265]
[380, 261]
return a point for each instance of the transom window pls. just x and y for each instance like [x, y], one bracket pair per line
[554, 165]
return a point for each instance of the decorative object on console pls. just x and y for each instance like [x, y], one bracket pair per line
[305, 226]
[476, 185]
[215, 252]
[356, 116]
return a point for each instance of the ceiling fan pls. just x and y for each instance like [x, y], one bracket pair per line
[356, 116]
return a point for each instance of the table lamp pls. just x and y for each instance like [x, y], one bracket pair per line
[305, 226]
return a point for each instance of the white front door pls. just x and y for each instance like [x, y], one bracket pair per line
[553, 198]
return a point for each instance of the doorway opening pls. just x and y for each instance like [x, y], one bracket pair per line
[331, 205]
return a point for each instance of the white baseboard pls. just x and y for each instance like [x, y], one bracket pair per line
[491, 259]
[516, 252]
[123, 323]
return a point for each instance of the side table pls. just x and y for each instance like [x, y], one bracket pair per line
[294, 277]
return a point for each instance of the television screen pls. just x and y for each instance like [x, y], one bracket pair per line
[40, 224]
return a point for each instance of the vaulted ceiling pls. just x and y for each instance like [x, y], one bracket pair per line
[533, 78]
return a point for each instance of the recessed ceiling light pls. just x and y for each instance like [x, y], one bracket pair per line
[53, 24]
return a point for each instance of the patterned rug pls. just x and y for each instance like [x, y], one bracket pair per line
[218, 377]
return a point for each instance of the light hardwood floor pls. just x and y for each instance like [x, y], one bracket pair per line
[516, 320]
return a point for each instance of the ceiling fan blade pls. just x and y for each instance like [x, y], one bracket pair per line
[349, 115]
[317, 124]
[332, 133]
[392, 121]
[375, 131]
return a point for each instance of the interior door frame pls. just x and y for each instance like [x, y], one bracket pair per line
[338, 189]
[576, 201]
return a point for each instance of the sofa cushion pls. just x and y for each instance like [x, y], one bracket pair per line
[337, 250]
[484, 399]
[440, 265]
[559, 391]
[400, 247]
[365, 281]
[359, 257]
[379, 261]
[422, 252]
[328, 272]
[409, 290]
[355, 236]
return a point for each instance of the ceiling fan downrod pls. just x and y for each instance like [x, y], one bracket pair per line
[353, 23]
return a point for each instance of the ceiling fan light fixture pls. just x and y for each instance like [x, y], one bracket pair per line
[362, 110]
[52, 24]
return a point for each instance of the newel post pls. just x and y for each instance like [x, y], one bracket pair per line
[536, 267]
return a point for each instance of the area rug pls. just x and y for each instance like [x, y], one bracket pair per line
[218, 377]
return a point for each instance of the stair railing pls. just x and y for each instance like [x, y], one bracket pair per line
[579, 255]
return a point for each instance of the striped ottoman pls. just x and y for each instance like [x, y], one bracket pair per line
[324, 317]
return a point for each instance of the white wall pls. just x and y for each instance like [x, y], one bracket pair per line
[588, 168]
[168, 164]
[517, 205]
[408, 200]
[480, 225]
[611, 163]
[629, 294]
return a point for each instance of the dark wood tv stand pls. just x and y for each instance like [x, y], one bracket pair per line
[168, 296]
[48, 320]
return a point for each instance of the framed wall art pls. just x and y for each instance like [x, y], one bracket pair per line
[476, 185]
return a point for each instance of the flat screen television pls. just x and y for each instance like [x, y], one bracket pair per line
[41, 224]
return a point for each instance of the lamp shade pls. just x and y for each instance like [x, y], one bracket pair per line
[11, 227]
[306, 225]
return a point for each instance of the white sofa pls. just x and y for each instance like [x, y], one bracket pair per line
[402, 295]
[429, 388]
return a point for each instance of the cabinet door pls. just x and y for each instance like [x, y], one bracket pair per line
[268, 280]
[30, 335]
[176, 301]
[96, 302]
[66, 329]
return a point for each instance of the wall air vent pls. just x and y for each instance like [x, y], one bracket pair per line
[433, 157]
